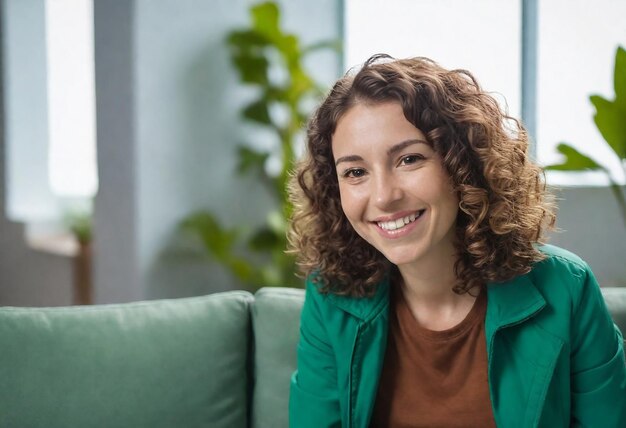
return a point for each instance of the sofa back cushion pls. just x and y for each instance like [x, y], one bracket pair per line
[615, 298]
[167, 363]
[276, 325]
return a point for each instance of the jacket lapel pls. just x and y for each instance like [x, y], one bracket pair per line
[368, 350]
[521, 360]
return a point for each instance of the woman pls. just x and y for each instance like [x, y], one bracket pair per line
[430, 300]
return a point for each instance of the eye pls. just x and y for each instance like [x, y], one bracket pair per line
[411, 159]
[354, 173]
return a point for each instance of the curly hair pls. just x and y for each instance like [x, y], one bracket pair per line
[504, 207]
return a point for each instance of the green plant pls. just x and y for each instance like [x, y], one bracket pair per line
[610, 119]
[79, 224]
[259, 52]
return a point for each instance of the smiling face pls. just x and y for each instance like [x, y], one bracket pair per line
[394, 189]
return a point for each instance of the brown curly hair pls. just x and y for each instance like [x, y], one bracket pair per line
[504, 207]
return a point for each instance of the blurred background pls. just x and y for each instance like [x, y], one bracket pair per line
[145, 143]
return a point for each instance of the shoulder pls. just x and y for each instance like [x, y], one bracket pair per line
[563, 277]
[559, 261]
[333, 305]
[559, 265]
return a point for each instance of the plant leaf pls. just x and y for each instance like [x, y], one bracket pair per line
[574, 160]
[246, 40]
[242, 269]
[619, 78]
[249, 158]
[265, 17]
[258, 112]
[611, 122]
[619, 197]
[289, 46]
[217, 240]
[264, 239]
[251, 68]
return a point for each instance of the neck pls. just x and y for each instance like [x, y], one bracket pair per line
[429, 286]
[431, 279]
[427, 289]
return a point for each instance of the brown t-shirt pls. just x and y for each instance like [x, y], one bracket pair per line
[434, 378]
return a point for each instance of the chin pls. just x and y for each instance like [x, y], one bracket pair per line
[400, 259]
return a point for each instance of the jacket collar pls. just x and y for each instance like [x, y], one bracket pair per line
[364, 308]
[511, 302]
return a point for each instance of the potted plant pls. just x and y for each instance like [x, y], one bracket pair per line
[256, 52]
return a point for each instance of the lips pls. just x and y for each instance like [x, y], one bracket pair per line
[401, 222]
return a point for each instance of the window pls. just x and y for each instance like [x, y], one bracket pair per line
[49, 101]
[575, 47]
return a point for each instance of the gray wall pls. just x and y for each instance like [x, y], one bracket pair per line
[589, 224]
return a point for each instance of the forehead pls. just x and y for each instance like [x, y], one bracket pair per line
[366, 127]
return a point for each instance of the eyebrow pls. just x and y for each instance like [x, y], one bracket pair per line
[392, 151]
[403, 145]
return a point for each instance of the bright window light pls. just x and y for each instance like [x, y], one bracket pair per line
[71, 98]
[483, 36]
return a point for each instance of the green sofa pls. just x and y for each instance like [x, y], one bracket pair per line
[222, 360]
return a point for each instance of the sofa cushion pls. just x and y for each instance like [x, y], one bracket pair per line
[276, 325]
[615, 298]
[167, 363]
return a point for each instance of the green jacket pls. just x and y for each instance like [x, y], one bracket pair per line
[555, 358]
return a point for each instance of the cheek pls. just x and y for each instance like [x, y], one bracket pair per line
[350, 210]
[451, 205]
[348, 203]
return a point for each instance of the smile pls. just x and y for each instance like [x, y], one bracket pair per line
[400, 222]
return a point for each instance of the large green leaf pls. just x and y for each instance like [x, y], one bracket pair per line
[265, 239]
[265, 17]
[252, 69]
[250, 159]
[574, 160]
[611, 122]
[247, 40]
[289, 46]
[300, 84]
[619, 78]
[258, 111]
[275, 93]
[217, 240]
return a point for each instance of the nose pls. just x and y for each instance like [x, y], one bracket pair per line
[386, 191]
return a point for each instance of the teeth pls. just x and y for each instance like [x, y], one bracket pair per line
[399, 223]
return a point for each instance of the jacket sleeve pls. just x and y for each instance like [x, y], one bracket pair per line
[314, 396]
[597, 362]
